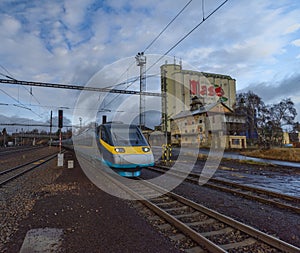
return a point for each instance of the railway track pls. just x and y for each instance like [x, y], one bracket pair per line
[15, 172]
[286, 202]
[208, 230]
[14, 150]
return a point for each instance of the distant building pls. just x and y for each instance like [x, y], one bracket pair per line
[192, 103]
[197, 126]
[181, 85]
[292, 139]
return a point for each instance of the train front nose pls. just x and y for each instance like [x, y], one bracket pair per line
[135, 160]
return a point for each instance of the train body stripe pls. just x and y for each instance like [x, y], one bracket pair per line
[126, 166]
[128, 149]
[110, 148]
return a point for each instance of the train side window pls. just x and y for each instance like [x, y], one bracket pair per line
[103, 135]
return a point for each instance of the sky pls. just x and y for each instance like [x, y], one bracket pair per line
[256, 42]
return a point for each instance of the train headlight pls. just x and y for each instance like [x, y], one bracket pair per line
[120, 150]
[145, 149]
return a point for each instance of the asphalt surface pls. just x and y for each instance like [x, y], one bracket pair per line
[91, 220]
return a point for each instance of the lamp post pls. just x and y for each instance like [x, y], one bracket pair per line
[141, 62]
[80, 122]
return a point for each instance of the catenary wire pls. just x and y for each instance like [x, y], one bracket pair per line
[152, 42]
[163, 30]
[185, 36]
[22, 105]
[9, 76]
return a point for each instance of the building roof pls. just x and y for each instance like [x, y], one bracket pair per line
[202, 110]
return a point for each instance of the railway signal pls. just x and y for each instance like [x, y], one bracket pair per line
[60, 125]
[60, 118]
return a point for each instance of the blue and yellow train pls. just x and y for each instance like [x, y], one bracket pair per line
[122, 147]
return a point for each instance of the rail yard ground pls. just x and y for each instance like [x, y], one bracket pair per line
[93, 221]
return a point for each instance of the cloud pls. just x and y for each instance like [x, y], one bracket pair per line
[293, 28]
[274, 92]
[243, 45]
[296, 42]
[69, 41]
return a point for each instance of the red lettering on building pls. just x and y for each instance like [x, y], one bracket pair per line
[193, 87]
[205, 90]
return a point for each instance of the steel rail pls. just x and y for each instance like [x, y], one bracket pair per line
[23, 165]
[40, 160]
[14, 150]
[270, 240]
[213, 183]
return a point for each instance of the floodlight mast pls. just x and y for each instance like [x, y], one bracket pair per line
[141, 62]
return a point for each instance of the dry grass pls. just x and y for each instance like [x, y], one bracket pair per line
[285, 154]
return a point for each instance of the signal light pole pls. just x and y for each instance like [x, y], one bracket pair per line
[60, 156]
[60, 118]
[60, 125]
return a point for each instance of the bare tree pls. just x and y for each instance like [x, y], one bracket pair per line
[250, 105]
[281, 114]
[265, 122]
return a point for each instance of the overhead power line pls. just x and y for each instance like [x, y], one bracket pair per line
[9, 76]
[21, 105]
[185, 36]
[151, 43]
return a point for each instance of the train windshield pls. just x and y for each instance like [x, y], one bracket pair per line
[127, 136]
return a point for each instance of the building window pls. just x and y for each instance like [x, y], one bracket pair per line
[235, 141]
[200, 120]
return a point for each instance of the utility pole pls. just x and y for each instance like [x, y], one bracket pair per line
[141, 62]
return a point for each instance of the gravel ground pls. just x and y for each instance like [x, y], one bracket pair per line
[92, 220]
[18, 197]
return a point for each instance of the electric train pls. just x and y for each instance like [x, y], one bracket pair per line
[122, 147]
